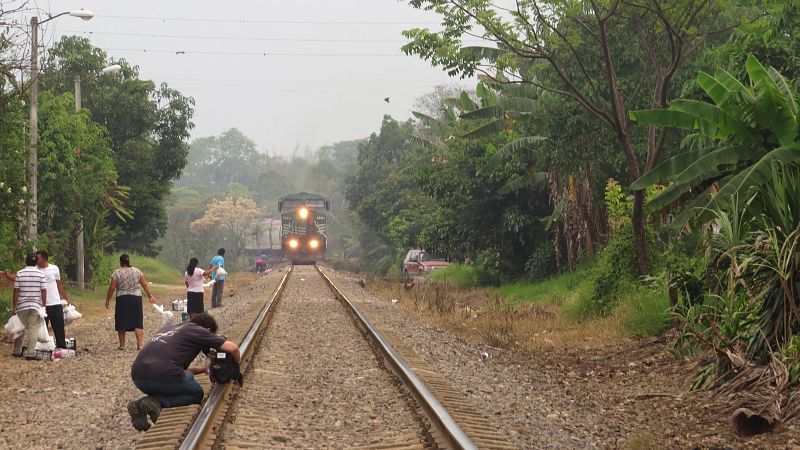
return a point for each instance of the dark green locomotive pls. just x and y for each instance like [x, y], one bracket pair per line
[303, 227]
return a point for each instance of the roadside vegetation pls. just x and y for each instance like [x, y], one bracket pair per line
[578, 191]
[619, 170]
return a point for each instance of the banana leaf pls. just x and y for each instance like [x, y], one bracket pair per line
[518, 145]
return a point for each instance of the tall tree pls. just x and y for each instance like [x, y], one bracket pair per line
[606, 56]
[217, 161]
[77, 178]
[148, 127]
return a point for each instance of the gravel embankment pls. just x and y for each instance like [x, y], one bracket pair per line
[316, 383]
[80, 403]
[631, 395]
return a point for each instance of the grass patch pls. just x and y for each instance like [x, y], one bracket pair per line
[5, 306]
[645, 312]
[561, 290]
[155, 270]
[460, 275]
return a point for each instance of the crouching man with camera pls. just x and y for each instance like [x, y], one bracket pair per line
[161, 369]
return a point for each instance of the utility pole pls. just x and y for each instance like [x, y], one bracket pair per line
[79, 252]
[33, 123]
[33, 129]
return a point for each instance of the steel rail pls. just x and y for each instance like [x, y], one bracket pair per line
[436, 412]
[201, 425]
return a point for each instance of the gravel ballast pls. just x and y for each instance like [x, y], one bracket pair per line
[629, 395]
[315, 381]
[80, 402]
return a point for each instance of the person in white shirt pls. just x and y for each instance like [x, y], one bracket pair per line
[193, 278]
[55, 292]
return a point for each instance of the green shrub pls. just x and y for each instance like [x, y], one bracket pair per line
[541, 264]
[791, 357]
[103, 265]
[488, 270]
[615, 272]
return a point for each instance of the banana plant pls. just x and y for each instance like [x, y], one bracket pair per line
[750, 128]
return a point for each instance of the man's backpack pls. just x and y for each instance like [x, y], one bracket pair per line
[224, 369]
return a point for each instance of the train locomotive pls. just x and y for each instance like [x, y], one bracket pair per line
[303, 227]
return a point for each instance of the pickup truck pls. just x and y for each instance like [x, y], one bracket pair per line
[419, 263]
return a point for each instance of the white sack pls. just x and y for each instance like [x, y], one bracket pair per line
[14, 327]
[71, 314]
[43, 335]
[221, 271]
[48, 346]
[166, 316]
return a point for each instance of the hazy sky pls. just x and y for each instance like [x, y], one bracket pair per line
[328, 65]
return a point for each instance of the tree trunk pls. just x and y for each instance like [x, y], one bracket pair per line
[639, 236]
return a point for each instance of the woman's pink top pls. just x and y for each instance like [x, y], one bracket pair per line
[195, 281]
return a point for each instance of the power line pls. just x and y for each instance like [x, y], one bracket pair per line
[304, 21]
[231, 38]
[264, 53]
[296, 81]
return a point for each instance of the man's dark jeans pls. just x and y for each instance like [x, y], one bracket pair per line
[173, 393]
[216, 293]
[55, 315]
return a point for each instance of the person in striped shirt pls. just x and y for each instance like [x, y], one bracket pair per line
[30, 294]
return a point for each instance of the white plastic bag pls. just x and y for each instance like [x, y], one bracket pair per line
[43, 335]
[48, 346]
[42, 312]
[71, 314]
[14, 327]
[221, 271]
[166, 316]
[210, 283]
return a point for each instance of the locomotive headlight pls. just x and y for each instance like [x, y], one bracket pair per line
[293, 243]
[302, 213]
[313, 243]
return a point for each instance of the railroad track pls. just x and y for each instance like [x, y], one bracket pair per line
[317, 381]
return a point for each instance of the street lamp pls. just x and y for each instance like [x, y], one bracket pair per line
[79, 252]
[33, 125]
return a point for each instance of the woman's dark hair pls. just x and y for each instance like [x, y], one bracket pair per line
[124, 260]
[205, 320]
[192, 265]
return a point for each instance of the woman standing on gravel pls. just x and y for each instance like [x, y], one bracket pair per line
[128, 308]
[193, 277]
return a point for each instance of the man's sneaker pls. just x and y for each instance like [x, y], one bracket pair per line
[151, 406]
[138, 417]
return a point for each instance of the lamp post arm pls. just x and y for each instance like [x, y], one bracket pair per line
[53, 17]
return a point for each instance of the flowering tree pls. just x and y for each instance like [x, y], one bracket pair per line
[230, 220]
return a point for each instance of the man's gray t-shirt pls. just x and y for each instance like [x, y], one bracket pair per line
[171, 351]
